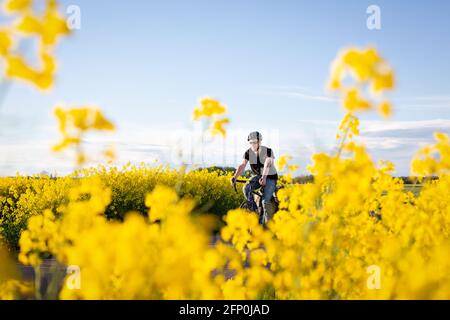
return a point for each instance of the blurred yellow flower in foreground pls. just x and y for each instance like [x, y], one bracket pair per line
[282, 162]
[16, 67]
[218, 127]
[11, 286]
[369, 71]
[6, 42]
[74, 123]
[12, 6]
[434, 159]
[353, 101]
[47, 27]
[210, 109]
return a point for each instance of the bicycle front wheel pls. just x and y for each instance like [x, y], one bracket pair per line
[244, 205]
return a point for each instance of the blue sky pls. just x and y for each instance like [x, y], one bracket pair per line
[147, 62]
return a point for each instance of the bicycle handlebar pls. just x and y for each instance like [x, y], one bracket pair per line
[240, 181]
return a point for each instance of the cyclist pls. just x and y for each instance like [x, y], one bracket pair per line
[261, 160]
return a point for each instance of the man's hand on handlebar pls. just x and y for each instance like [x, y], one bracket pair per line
[234, 180]
[262, 180]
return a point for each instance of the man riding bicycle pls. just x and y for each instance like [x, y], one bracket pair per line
[261, 160]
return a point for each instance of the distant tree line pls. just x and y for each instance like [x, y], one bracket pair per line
[302, 179]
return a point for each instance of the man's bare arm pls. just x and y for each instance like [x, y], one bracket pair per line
[240, 169]
[267, 165]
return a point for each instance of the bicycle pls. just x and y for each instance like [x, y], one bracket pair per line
[258, 197]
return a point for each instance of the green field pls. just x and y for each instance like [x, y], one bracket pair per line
[414, 188]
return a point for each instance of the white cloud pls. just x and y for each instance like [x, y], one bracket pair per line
[420, 128]
[436, 98]
[301, 92]
[414, 102]
[422, 102]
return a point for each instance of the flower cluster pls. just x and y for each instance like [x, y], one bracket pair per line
[212, 110]
[369, 72]
[434, 159]
[286, 169]
[73, 125]
[24, 197]
[46, 27]
[11, 287]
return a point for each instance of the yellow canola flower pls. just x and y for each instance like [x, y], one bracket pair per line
[8, 268]
[362, 62]
[172, 260]
[217, 127]
[208, 108]
[74, 123]
[36, 240]
[6, 42]
[14, 289]
[65, 143]
[434, 159]
[354, 102]
[16, 67]
[386, 166]
[371, 74]
[49, 28]
[348, 127]
[13, 6]
[82, 118]
[110, 153]
[282, 164]
[385, 109]
[211, 109]
[101, 122]
[283, 161]
[158, 200]
[383, 81]
[366, 65]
